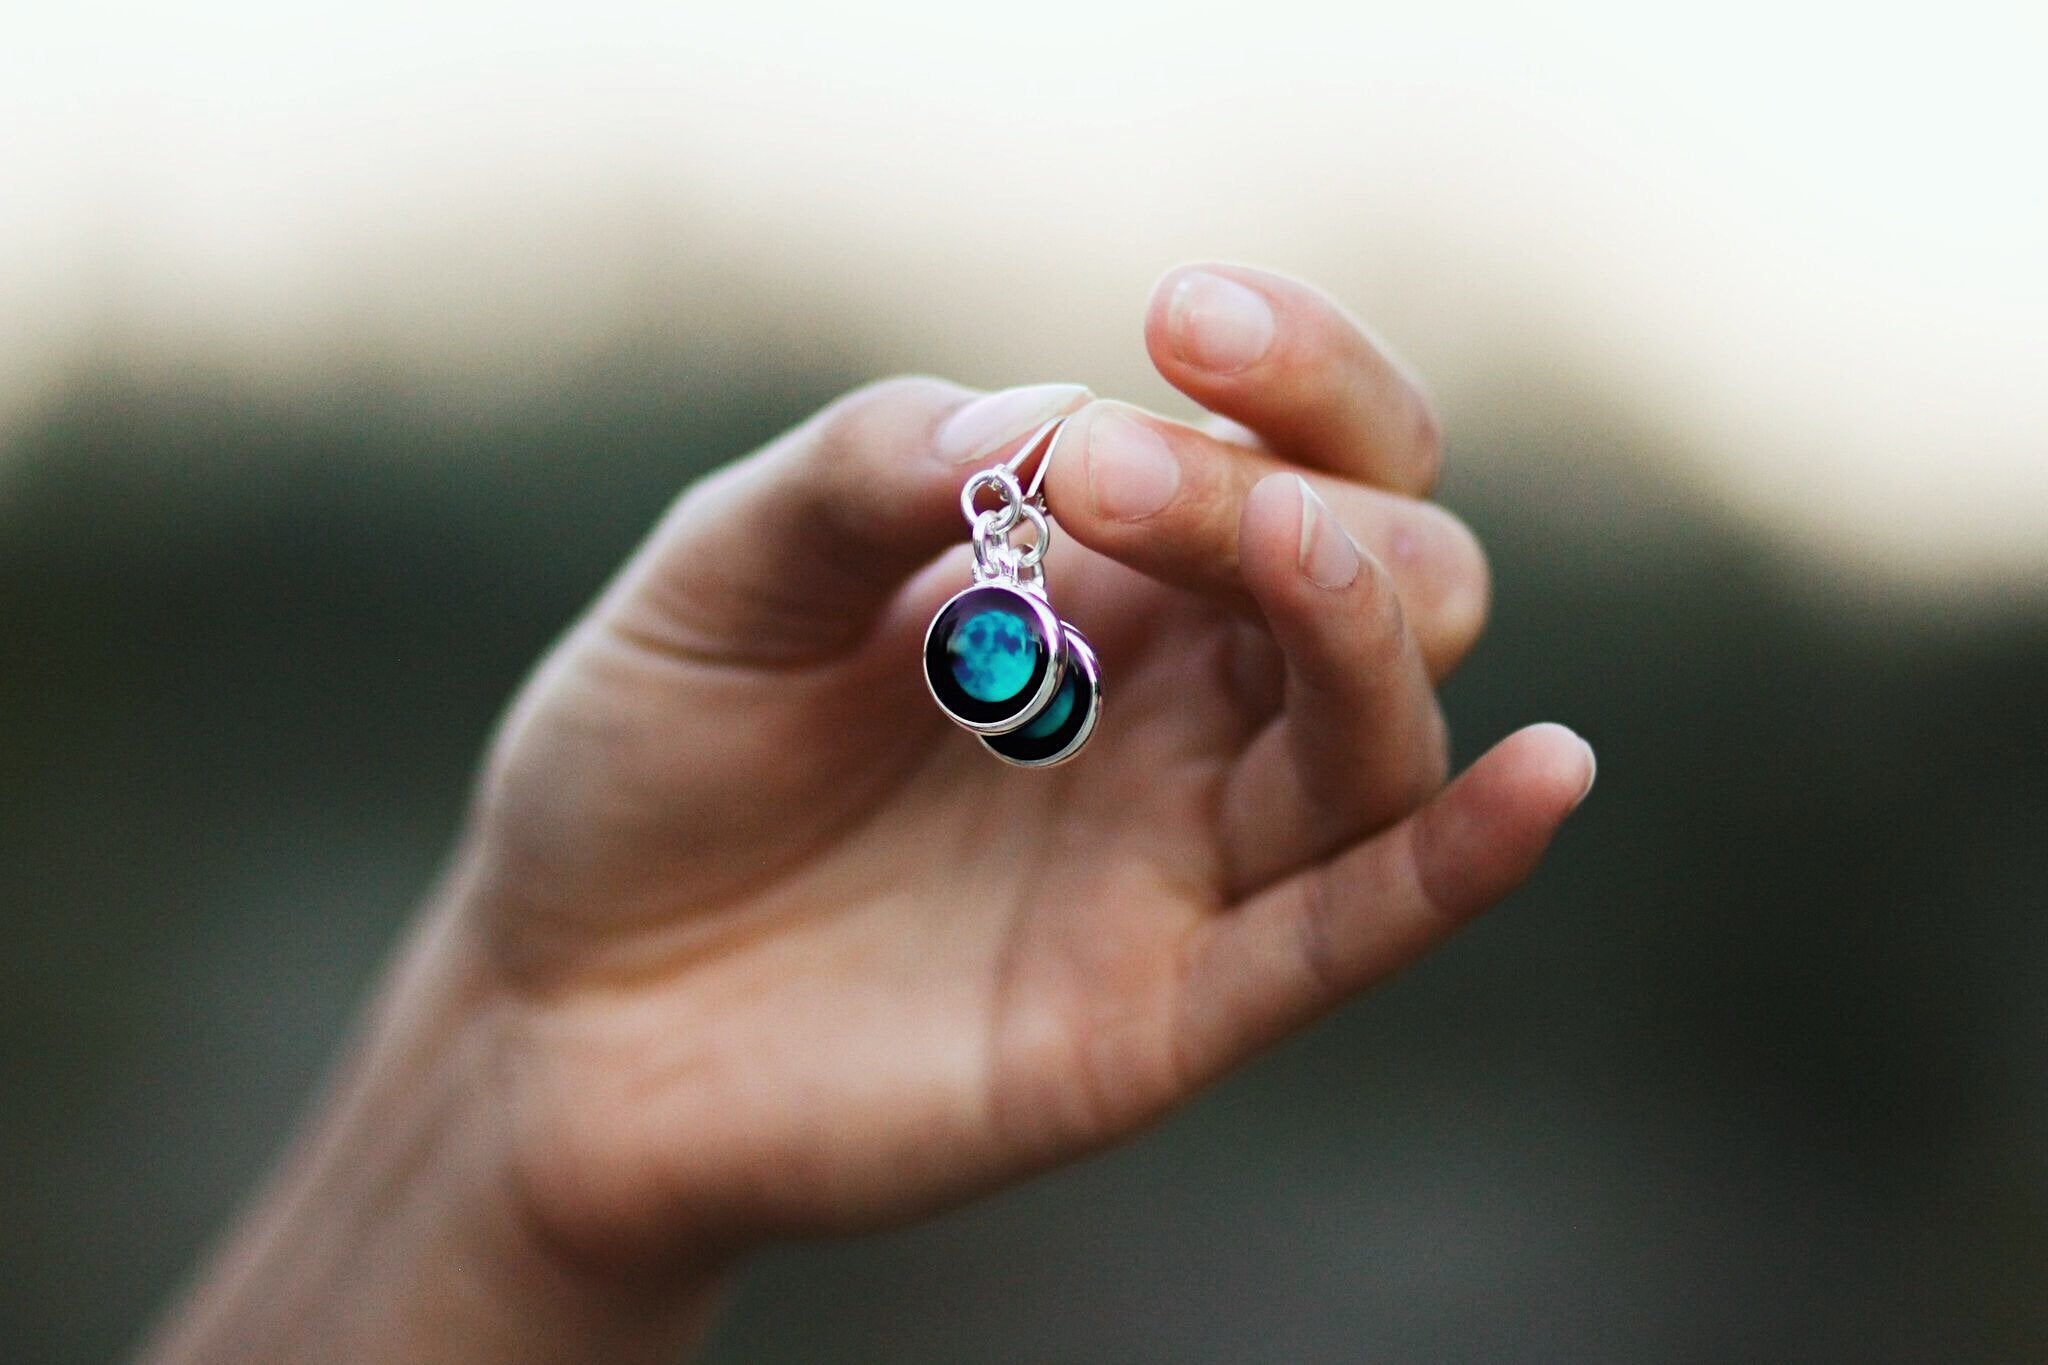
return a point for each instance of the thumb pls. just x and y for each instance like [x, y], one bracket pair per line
[788, 555]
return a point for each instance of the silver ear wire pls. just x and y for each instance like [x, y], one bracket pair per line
[1048, 436]
[995, 558]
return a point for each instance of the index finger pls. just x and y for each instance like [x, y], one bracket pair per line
[1286, 361]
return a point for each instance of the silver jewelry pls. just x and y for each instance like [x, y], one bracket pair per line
[998, 660]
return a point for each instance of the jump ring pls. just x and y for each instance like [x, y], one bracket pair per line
[989, 543]
[1029, 557]
[1003, 481]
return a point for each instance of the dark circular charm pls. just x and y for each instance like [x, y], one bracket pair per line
[1058, 731]
[991, 658]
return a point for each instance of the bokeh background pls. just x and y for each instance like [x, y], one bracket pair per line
[343, 351]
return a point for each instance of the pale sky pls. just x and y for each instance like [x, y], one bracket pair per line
[1813, 238]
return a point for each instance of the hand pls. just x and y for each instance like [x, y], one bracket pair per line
[746, 940]
[783, 951]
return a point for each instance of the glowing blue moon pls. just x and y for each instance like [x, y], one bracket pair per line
[993, 655]
[1055, 713]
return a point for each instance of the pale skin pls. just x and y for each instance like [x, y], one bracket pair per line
[744, 941]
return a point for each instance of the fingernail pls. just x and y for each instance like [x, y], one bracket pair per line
[1327, 555]
[984, 426]
[1131, 473]
[1217, 324]
[1592, 771]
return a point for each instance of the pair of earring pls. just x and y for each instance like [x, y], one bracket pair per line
[997, 658]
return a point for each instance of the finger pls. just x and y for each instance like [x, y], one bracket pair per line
[1167, 500]
[1229, 431]
[1360, 741]
[1300, 948]
[1287, 362]
[787, 555]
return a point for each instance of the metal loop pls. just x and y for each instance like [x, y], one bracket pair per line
[1004, 482]
[1028, 558]
[994, 555]
[1057, 427]
[989, 543]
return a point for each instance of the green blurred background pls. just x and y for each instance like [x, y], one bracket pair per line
[332, 392]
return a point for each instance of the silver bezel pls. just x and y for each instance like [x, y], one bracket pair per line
[1055, 636]
[1082, 655]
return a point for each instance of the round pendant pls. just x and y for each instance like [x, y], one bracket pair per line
[992, 658]
[1059, 731]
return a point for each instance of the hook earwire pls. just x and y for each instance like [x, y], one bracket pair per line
[1048, 436]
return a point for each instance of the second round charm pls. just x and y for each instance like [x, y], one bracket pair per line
[1059, 731]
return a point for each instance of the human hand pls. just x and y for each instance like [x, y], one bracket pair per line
[780, 951]
[745, 940]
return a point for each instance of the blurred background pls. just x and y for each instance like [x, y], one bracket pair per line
[344, 350]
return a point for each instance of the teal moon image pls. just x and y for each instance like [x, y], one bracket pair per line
[1056, 712]
[992, 658]
[1062, 728]
[993, 655]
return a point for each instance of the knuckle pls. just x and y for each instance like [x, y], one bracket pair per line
[1316, 937]
[1207, 509]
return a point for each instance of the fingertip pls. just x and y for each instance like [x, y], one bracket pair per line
[1548, 766]
[1114, 466]
[1214, 321]
[1491, 827]
[1279, 522]
[1160, 301]
[981, 429]
[1592, 772]
[1288, 361]
[1270, 525]
[1158, 344]
[1288, 539]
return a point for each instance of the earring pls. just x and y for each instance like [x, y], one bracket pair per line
[998, 660]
